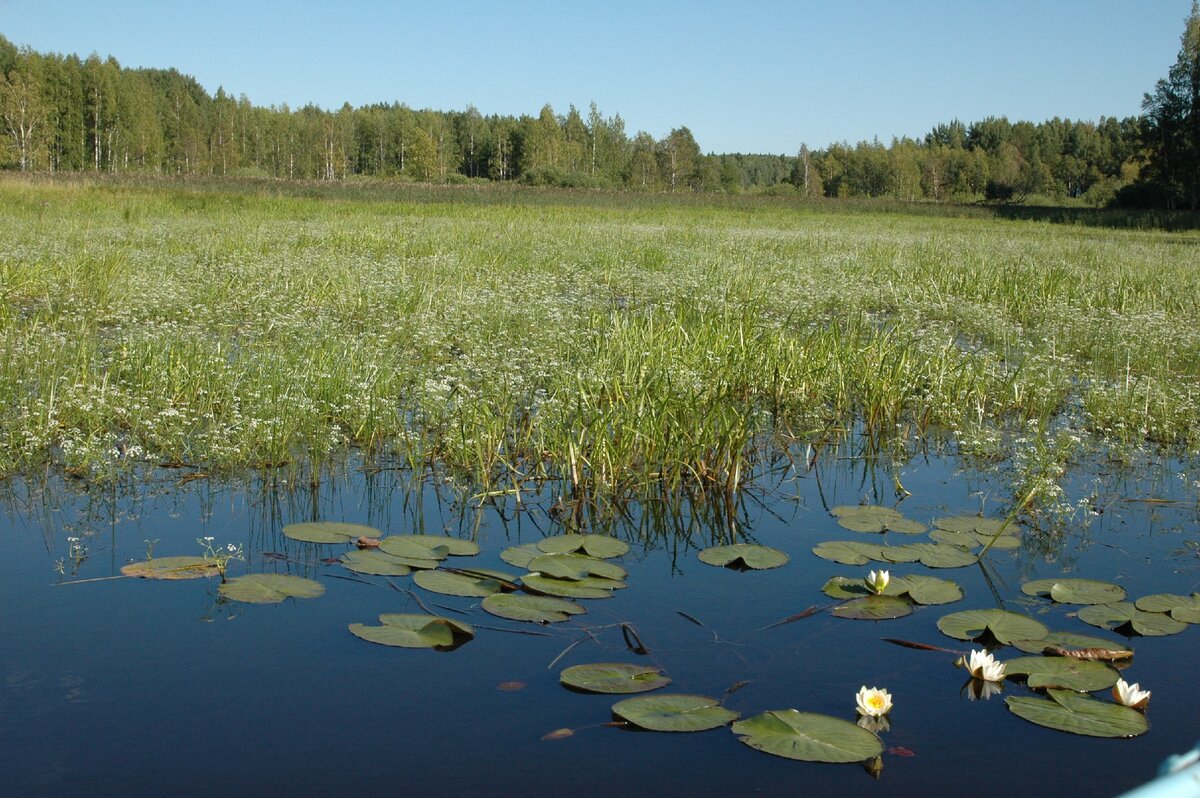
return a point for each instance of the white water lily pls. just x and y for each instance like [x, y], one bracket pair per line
[979, 690]
[877, 581]
[873, 701]
[982, 665]
[1131, 695]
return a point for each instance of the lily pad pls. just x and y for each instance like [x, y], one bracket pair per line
[532, 609]
[613, 677]
[924, 589]
[846, 587]
[1071, 641]
[970, 540]
[329, 532]
[574, 566]
[452, 584]
[415, 631]
[674, 713]
[1065, 672]
[172, 568]
[743, 556]
[601, 546]
[593, 587]
[874, 608]
[849, 552]
[869, 518]
[934, 555]
[1124, 616]
[808, 736]
[1068, 711]
[1003, 625]
[270, 588]
[414, 547]
[374, 563]
[1075, 591]
[456, 546]
[521, 556]
[974, 524]
[1185, 609]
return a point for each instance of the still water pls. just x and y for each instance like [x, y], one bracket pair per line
[133, 687]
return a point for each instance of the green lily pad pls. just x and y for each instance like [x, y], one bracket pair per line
[846, 587]
[532, 609]
[613, 677]
[808, 736]
[1124, 615]
[374, 563]
[849, 552]
[1066, 710]
[452, 584]
[868, 518]
[329, 532]
[970, 540]
[601, 546]
[456, 546]
[1185, 609]
[575, 566]
[874, 608]
[674, 713]
[1065, 672]
[1075, 591]
[976, 524]
[743, 557]
[1068, 640]
[410, 547]
[521, 556]
[172, 568]
[924, 589]
[270, 588]
[934, 555]
[1004, 626]
[415, 631]
[593, 587]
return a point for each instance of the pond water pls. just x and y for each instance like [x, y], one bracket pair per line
[137, 687]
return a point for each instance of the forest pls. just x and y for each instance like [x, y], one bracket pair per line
[66, 113]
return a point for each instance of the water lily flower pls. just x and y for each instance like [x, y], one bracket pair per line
[873, 701]
[1131, 695]
[877, 581]
[982, 665]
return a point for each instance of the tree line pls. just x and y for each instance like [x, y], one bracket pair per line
[66, 113]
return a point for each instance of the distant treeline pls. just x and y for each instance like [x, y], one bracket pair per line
[64, 113]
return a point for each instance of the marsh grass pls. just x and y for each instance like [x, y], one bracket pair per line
[627, 345]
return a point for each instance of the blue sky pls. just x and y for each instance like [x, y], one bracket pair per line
[744, 77]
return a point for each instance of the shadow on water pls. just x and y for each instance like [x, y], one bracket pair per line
[119, 685]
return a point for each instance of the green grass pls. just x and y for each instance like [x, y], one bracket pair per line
[618, 343]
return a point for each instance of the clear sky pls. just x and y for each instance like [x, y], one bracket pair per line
[743, 76]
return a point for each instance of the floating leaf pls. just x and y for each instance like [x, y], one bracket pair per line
[270, 588]
[971, 524]
[868, 518]
[574, 566]
[613, 677]
[601, 546]
[808, 736]
[674, 713]
[934, 555]
[1067, 640]
[592, 587]
[329, 532]
[374, 563]
[411, 548]
[172, 568]
[849, 552]
[521, 556]
[1185, 609]
[874, 608]
[1065, 672]
[415, 631]
[456, 546]
[1075, 591]
[452, 584]
[845, 587]
[1003, 625]
[1124, 615]
[924, 589]
[533, 609]
[970, 540]
[743, 556]
[1069, 711]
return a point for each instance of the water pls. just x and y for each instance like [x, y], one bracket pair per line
[133, 687]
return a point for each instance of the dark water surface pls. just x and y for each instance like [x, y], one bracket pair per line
[133, 687]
